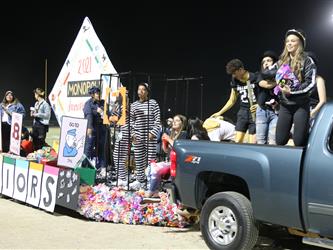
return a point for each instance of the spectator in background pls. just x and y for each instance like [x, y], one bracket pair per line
[41, 113]
[9, 105]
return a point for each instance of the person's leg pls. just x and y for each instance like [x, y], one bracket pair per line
[272, 127]
[39, 135]
[140, 155]
[283, 125]
[251, 125]
[241, 125]
[5, 133]
[261, 126]
[101, 140]
[301, 125]
[157, 170]
[90, 146]
[120, 155]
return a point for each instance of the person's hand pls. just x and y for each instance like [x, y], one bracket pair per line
[166, 137]
[151, 136]
[253, 108]
[89, 131]
[134, 141]
[215, 115]
[99, 110]
[113, 118]
[312, 114]
[285, 90]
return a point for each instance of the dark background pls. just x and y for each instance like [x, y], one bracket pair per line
[164, 38]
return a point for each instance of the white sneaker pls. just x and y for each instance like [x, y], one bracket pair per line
[136, 185]
[102, 173]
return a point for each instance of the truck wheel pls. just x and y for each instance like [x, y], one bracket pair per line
[227, 222]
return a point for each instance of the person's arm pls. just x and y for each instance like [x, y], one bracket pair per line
[157, 120]
[266, 84]
[321, 93]
[309, 82]
[230, 103]
[166, 137]
[89, 116]
[20, 109]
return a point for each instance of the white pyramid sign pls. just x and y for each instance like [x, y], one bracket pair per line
[85, 63]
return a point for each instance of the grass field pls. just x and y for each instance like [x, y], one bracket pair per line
[53, 135]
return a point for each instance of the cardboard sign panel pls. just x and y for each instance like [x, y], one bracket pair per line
[21, 180]
[49, 188]
[15, 133]
[34, 183]
[8, 168]
[72, 140]
[68, 189]
[85, 63]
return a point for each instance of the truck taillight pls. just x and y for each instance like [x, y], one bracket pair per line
[173, 167]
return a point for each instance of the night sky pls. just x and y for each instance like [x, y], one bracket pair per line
[164, 39]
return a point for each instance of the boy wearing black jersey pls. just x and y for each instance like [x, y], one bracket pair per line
[243, 87]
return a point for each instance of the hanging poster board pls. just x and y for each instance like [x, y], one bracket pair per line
[15, 133]
[72, 139]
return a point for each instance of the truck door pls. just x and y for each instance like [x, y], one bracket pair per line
[317, 178]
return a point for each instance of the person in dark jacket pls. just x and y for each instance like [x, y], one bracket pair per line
[96, 130]
[294, 98]
[266, 114]
[9, 105]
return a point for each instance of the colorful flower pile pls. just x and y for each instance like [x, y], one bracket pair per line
[119, 206]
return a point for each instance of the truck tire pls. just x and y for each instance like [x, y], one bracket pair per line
[227, 222]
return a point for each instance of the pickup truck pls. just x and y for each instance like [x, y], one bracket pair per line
[238, 186]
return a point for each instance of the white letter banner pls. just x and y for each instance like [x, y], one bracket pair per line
[34, 183]
[8, 169]
[21, 180]
[49, 188]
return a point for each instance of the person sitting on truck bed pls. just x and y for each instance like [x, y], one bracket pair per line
[244, 87]
[157, 170]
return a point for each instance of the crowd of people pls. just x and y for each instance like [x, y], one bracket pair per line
[281, 100]
[41, 114]
[277, 103]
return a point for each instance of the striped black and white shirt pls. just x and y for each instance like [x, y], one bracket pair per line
[144, 117]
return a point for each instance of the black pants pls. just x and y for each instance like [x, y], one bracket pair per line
[5, 134]
[289, 114]
[38, 135]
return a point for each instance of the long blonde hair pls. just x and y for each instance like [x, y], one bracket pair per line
[296, 63]
[175, 134]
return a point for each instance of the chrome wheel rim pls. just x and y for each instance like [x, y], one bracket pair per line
[222, 225]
